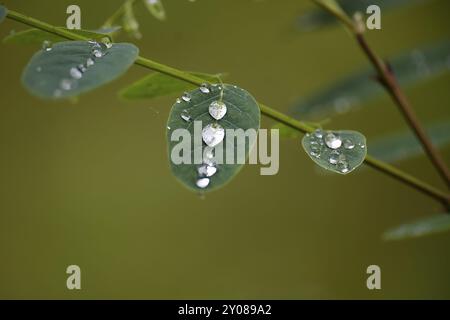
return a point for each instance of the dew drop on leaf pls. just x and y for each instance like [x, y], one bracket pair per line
[217, 109]
[202, 183]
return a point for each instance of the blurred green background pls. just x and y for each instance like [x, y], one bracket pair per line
[88, 183]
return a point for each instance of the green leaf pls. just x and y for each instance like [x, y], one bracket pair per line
[431, 225]
[158, 84]
[64, 71]
[318, 18]
[3, 13]
[351, 92]
[193, 115]
[156, 9]
[404, 145]
[337, 151]
[36, 36]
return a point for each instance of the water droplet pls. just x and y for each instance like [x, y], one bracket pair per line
[213, 134]
[185, 115]
[47, 45]
[82, 68]
[343, 166]
[206, 170]
[107, 42]
[348, 144]
[332, 141]
[334, 158]
[168, 128]
[208, 153]
[75, 73]
[178, 100]
[362, 145]
[97, 53]
[318, 133]
[204, 88]
[89, 62]
[217, 109]
[66, 84]
[186, 97]
[202, 182]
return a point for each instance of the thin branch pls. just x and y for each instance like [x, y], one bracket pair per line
[267, 111]
[389, 82]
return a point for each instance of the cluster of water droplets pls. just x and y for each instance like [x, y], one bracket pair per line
[98, 51]
[332, 146]
[212, 134]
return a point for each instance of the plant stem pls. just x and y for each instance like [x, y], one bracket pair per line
[389, 82]
[116, 15]
[267, 111]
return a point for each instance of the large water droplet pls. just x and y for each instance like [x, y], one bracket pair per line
[332, 141]
[213, 134]
[202, 183]
[204, 88]
[185, 115]
[75, 73]
[206, 170]
[348, 144]
[186, 97]
[217, 109]
[47, 45]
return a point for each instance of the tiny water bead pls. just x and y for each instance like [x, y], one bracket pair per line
[206, 170]
[47, 45]
[204, 88]
[208, 153]
[185, 115]
[334, 158]
[348, 144]
[186, 97]
[97, 53]
[318, 133]
[332, 140]
[213, 134]
[202, 183]
[217, 109]
[89, 62]
[76, 73]
[67, 84]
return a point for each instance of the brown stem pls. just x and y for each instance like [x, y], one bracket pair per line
[387, 78]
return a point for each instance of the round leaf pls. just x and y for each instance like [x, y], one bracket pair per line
[337, 151]
[51, 72]
[192, 113]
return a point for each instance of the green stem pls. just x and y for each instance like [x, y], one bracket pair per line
[116, 15]
[267, 111]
